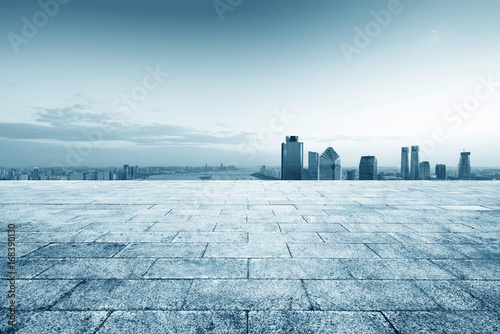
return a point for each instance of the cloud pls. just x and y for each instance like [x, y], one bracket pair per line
[78, 122]
[433, 37]
[75, 114]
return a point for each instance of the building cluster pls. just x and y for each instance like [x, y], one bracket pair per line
[327, 166]
[72, 174]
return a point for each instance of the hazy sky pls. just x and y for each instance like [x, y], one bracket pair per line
[367, 86]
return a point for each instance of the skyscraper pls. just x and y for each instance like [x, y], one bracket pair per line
[414, 163]
[368, 168]
[313, 165]
[405, 167]
[36, 173]
[329, 165]
[126, 172]
[351, 174]
[292, 156]
[464, 172]
[441, 172]
[425, 170]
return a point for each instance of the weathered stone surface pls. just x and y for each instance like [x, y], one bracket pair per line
[253, 257]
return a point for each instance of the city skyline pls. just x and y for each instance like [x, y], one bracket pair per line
[228, 86]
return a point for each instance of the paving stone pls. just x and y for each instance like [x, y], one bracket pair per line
[56, 322]
[357, 238]
[118, 227]
[397, 269]
[211, 237]
[158, 250]
[247, 250]
[450, 296]
[247, 295]
[317, 322]
[193, 322]
[445, 322]
[182, 227]
[265, 227]
[21, 249]
[486, 291]
[298, 269]
[328, 227]
[98, 269]
[381, 228]
[48, 237]
[97, 249]
[284, 237]
[137, 237]
[335, 251]
[417, 251]
[198, 268]
[27, 268]
[343, 295]
[471, 269]
[434, 238]
[39, 295]
[125, 295]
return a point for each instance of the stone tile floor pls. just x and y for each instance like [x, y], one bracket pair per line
[253, 257]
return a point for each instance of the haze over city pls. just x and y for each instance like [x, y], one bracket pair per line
[218, 81]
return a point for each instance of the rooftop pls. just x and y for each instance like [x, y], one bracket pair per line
[253, 256]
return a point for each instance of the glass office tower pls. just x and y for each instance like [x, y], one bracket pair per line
[292, 152]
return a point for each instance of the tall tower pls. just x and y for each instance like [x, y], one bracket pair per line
[292, 158]
[329, 165]
[313, 166]
[368, 168]
[414, 175]
[441, 172]
[464, 171]
[405, 167]
[425, 170]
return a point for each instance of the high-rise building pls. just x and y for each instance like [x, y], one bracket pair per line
[329, 165]
[464, 171]
[36, 173]
[126, 172]
[441, 172]
[292, 158]
[351, 174]
[368, 168]
[425, 170]
[414, 163]
[313, 166]
[405, 167]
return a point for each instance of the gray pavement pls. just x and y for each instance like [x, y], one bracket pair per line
[253, 256]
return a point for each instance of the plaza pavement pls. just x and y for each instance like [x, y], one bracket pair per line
[253, 256]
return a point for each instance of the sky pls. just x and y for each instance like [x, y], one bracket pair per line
[189, 82]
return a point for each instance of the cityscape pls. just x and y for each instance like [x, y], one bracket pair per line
[326, 166]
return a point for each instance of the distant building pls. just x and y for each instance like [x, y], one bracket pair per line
[351, 174]
[425, 170]
[368, 168]
[414, 171]
[270, 172]
[36, 173]
[441, 172]
[405, 166]
[292, 158]
[329, 165]
[126, 172]
[313, 166]
[464, 171]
